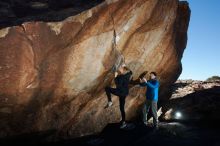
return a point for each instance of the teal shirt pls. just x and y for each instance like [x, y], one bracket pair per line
[152, 89]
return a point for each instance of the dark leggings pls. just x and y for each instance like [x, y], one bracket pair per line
[109, 91]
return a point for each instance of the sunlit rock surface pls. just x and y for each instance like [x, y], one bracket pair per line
[52, 74]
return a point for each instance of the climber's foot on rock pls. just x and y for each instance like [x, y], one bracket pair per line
[109, 104]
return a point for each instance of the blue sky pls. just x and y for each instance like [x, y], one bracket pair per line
[201, 58]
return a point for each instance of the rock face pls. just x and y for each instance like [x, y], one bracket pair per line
[52, 74]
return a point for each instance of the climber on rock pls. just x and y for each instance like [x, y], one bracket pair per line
[122, 78]
[151, 97]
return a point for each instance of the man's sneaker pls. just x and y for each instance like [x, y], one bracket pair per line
[155, 126]
[145, 123]
[148, 124]
[123, 125]
[109, 104]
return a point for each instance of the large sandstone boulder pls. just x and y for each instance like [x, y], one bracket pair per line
[52, 74]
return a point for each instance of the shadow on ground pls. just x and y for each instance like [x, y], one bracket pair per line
[172, 134]
[200, 127]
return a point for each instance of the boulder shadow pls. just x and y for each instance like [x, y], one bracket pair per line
[16, 12]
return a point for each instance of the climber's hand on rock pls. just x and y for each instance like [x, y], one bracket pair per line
[140, 80]
[116, 74]
[123, 65]
[145, 80]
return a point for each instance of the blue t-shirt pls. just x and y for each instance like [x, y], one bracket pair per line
[152, 89]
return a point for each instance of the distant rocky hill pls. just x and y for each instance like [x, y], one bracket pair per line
[195, 100]
[184, 87]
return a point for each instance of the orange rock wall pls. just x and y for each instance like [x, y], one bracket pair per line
[52, 75]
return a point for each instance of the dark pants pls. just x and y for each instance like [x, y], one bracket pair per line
[109, 91]
[153, 105]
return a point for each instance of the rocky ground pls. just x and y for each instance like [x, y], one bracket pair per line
[168, 133]
[199, 124]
